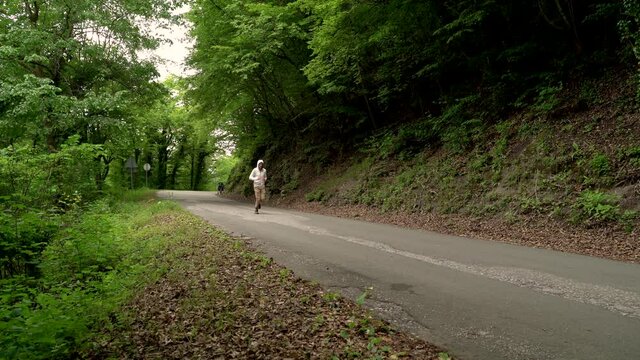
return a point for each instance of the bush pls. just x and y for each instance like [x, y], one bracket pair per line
[24, 233]
[461, 137]
[316, 195]
[600, 164]
[88, 272]
[461, 124]
[223, 167]
[85, 250]
[629, 26]
[547, 99]
[35, 190]
[596, 206]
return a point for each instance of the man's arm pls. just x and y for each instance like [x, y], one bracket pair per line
[252, 176]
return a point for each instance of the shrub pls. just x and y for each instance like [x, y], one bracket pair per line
[600, 164]
[316, 195]
[24, 233]
[85, 250]
[629, 26]
[461, 123]
[83, 283]
[596, 206]
[460, 137]
[547, 99]
[632, 152]
[627, 219]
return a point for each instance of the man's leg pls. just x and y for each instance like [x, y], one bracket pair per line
[257, 193]
[263, 194]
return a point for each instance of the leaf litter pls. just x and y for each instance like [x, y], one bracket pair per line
[218, 299]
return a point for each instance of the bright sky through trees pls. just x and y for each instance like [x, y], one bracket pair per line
[173, 54]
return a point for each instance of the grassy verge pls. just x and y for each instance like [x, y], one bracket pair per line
[141, 278]
[92, 267]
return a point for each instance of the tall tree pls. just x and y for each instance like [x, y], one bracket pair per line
[70, 84]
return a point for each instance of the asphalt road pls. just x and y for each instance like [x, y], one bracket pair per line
[479, 299]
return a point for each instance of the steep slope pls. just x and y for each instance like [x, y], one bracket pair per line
[565, 174]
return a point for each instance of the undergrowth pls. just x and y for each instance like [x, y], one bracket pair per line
[523, 168]
[91, 267]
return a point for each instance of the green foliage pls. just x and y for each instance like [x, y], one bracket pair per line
[383, 145]
[294, 77]
[627, 219]
[24, 233]
[599, 164]
[404, 140]
[547, 99]
[253, 52]
[499, 150]
[223, 167]
[460, 137]
[35, 188]
[531, 205]
[589, 94]
[292, 182]
[73, 89]
[89, 248]
[284, 274]
[458, 127]
[459, 28]
[88, 272]
[632, 152]
[62, 74]
[330, 296]
[71, 93]
[316, 195]
[365, 294]
[596, 206]
[479, 162]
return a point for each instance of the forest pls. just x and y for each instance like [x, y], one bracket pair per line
[305, 85]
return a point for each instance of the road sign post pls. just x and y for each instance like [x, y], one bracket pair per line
[132, 166]
[147, 167]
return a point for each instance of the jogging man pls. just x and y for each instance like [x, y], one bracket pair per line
[259, 178]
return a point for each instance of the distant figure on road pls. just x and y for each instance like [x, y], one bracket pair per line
[259, 178]
[220, 188]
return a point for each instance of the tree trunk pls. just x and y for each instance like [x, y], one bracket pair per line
[163, 154]
[200, 168]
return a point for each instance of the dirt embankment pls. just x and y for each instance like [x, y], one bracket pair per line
[537, 232]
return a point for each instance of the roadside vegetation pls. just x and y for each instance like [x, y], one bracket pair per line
[582, 168]
[89, 269]
[140, 277]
